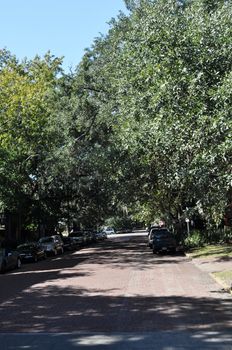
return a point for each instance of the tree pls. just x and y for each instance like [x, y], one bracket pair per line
[163, 68]
[27, 136]
[143, 123]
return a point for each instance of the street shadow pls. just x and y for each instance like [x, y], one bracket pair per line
[224, 259]
[35, 300]
[54, 309]
[135, 254]
[114, 254]
[52, 269]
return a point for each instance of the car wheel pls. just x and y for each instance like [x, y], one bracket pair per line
[18, 263]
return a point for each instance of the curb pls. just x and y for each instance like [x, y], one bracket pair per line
[221, 283]
[218, 280]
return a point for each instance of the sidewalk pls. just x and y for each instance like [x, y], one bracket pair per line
[220, 268]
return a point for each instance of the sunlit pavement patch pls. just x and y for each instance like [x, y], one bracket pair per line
[167, 340]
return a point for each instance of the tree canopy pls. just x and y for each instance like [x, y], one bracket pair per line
[143, 123]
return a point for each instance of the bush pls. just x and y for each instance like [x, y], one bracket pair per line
[194, 239]
[199, 238]
[219, 235]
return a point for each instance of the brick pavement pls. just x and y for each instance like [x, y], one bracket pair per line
[117, 286]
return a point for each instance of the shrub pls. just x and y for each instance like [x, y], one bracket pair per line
[194, 239]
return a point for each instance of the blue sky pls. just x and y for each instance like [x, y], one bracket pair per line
[65, 27]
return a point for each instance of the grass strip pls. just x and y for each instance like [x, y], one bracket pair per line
[224, 278]
[212, 251]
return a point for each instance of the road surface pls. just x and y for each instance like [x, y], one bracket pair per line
[114, 295]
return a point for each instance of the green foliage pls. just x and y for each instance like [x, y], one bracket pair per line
[144, 122]
[172, 64]
[157, 91]
[194, 239]
[27, 136]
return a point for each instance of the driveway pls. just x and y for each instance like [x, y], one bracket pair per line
[114, 295]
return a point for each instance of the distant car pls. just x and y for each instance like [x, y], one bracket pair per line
[69, 243]
[94, 236]
[109, 230]
[9, 259]
[52, 244]
[79, 237]
[124, 230]
[104, 235]
[100, 236]
[163, 241]
[31, 252]
[89, 236]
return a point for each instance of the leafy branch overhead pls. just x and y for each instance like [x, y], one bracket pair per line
[143, 123]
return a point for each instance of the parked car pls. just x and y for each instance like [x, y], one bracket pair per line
[52, 244]
[89, 236]
[151, 232]
[94, 236]
[163, 241]
[69, 243]
[31, 252]
[109, 230]
[104, 235]
[100, 236]
[124, 230]
[79, 237]
[9, 259]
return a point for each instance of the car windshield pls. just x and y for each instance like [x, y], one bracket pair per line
[159, 232]
[46, 240]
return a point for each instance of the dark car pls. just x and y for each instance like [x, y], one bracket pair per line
[31, 252]
[151, 233]
[9, 259]
[163, 241]
[100, 236]
[69, 243]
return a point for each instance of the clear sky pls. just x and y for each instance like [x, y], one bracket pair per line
[65, 27]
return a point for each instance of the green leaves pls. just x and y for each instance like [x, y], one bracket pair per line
[172, 116]
[144, 122]
[27, 137]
